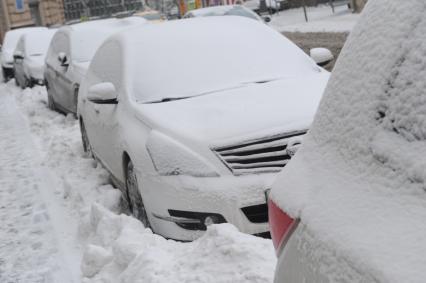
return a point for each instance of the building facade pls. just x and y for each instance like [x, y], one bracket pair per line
[24, 13]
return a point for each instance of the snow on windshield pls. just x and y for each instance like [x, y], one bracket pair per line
[37, 42]
[201, 55]
[88, 36]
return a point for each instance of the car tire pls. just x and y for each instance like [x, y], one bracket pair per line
[135, 201]
[85, 139]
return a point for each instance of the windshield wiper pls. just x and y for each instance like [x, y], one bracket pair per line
[167, 99]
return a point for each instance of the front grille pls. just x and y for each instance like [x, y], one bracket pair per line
[256, 213]
[262, 155]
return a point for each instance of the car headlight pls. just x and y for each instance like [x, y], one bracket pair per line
[172, 158]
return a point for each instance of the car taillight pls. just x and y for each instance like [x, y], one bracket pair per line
[280, 224]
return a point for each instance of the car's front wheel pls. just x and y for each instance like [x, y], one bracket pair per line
[136, 205]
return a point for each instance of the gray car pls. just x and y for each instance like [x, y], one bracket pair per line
[69, 56]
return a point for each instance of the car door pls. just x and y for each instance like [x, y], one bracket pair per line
[18, 62]
[65, 87]
[54, 68]
[101, 119]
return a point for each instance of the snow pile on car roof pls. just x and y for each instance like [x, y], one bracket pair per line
[120, 249]
[358, 181]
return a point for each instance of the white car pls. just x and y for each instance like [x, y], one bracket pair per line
[8, 47]
[29, 56]
[192, 126]
[225, 10]
[351, 205]
[69, 55]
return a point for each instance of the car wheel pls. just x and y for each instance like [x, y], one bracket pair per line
[136, 205]
[86, 144]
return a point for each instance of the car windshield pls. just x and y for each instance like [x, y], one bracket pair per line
[189, 59]
[37, 43]
[152, 16]
[240, 11]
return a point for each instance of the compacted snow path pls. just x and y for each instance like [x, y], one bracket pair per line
[29, 246]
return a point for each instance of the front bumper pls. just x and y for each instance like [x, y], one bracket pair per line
[171, 197]
[35, 81]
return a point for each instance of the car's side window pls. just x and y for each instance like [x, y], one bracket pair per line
[107, 65]
[60, 44]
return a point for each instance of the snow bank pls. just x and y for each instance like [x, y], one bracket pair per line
[358, 181]
[113, 247]
[122, 250]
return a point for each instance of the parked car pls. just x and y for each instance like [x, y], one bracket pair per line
[351, 204]
[226, 10]
[9, 44]
[29, 57]
[270, 5]
[151, 15]
[69, 55]
[192, 131]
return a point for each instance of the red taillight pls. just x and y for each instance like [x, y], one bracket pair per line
[281, 225]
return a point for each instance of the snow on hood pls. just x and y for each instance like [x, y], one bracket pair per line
[358, 182]
[254, 109]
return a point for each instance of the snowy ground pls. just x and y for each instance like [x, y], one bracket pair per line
[61, 218]
[320, 19]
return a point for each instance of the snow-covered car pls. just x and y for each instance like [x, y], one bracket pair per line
[8, 47]
[272, 5]
[351, 205]
[69, 55]
[199, 141]
[29, 57]
[226, 10]
[151, 15]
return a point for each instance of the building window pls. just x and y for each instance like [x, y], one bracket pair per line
[19, 5]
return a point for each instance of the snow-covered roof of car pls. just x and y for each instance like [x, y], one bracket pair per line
[37, 42]
[224, 10]
[88, 36]
[12, 37]
[196, 56]
[359, 180]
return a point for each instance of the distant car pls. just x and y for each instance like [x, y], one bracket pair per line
[29, 57]
[69, 55]
[191, 131]
[8, 47]
[227, 10]
[151, 15]
[271, 5]
[351, 204]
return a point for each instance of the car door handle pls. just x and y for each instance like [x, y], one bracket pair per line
[96, 108]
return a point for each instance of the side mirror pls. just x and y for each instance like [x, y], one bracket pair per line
[102, 93]
[63, 59]
[266, 19]
[321, 56]
[18, 55]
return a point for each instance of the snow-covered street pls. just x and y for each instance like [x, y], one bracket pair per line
[62, 220]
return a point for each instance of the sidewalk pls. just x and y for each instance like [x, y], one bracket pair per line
[29, 247]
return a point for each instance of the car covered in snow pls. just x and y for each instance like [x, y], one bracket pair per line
[194, 140]
[351, 204]
[29, 56]
[226, 10]
[69, 55]
[10, 41]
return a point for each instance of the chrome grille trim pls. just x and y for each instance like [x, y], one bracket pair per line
[261, 155]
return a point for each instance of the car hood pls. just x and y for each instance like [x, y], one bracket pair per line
[249, 111]
[80, 69]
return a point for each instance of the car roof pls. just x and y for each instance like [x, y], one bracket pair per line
[103, 25]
